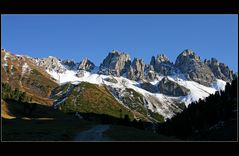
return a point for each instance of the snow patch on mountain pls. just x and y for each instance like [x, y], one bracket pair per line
[25, 68]
[219, 85]
[156, 102]
[66, 76]
[70, 76]
[197, 91]
[17, 55]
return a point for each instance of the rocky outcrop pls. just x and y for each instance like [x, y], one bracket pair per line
[138, 66]
[220, 70]
[111, 79]
[130, 73]
[80, 73]
[69, 64]
[162, 65]
[115, 64]
[86, 64]
[149, 87]
[150, 74]
[194, 69]
[171, 88]
[226, 72]
[136, 70]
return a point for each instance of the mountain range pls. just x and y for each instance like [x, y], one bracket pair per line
[119, 86]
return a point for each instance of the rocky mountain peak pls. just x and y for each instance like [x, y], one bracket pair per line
[187, 56]
[138, 63]
[188, 52]
[116, 63]
[52, 59]
[51, 63]
[193, 68]
[86, 64]
[115, 52]
[162, 65]
[70, 64]
[136, 69]
[220, 70]
[162, 58]
[226, 71]
[214, 61]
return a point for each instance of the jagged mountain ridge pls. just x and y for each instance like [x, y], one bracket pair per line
[187, 65]
[184, 83]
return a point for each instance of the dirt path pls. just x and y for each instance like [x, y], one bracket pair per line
[93, 134]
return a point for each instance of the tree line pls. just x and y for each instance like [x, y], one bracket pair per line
[8, 94]
[16, 94]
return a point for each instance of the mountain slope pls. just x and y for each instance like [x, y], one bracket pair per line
[20, 72]
[90, 98]
[160, 88]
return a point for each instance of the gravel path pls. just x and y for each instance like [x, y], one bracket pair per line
[93, 134]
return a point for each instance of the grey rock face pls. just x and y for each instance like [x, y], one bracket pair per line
[226, 71]
[137, 70]
[112, 80]
[220, 70]
[149, 87]
[80, 73]
[51, 64]
[149, 72]
[162, 65]
[194, 69]
[171, 88]
[86, 64]
[151, 75]
[115, 64]
[130, 73]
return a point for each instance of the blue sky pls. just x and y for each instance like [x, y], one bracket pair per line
[142, 36]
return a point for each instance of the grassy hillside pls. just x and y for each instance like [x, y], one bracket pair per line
[21, 73]
[48, 124]
[91, 98]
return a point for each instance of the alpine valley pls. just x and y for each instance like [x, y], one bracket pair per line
[119, 88]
